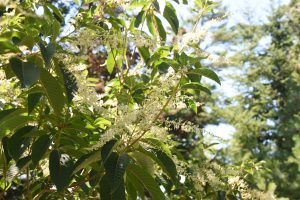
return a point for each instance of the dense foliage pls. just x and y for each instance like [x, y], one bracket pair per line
[62, 139]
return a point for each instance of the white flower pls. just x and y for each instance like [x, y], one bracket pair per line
[233, 180]
[194, 37]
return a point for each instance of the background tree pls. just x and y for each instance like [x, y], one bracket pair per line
[61, 139]
[266, 112]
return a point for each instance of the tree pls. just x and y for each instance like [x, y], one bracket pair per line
[266, 112]
[61, 139]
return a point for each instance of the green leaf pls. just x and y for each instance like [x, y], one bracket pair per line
[27, 72]
[60, 170]
[4, 142]
[110, 62]
[107, 149]
[23, 162]
[147, 181]
[56, 12]
[80, 179]
[156, 5]
[171, 17]
[167, 164]
[17, 66]
[31, 72]
[139, 18]
[70, 82]
[111, 163]
[207, 73]
[4, 113]
[112, 183]
[18, 143]
[192, 105]
[54, 167]
[13, 120]
[196, 86]
[86, 160]
[144, 162]
[137, 187]
[163, 160]
[32, 100]
[53, 91]
[160, 28]
[120, 168]
[6, 46]
[40, 147]
[145, 54]
[157, 144]
[55, 30]
[131, 191]
[106, 192]
[94, 178]
[47, 52]
[150, 25]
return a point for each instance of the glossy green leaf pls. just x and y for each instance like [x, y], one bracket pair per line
[137, 186]
[86, 160]
[120, 168]
[55, 30]
[139, 18]
[60, 167]
[6, 46]
[4, 113]
[14, 120]
[40, 147]
[145, 54]
[144, 162]
[164, 161]
[69, 81]
[167, 164]
[56, 12]
[33, 100]
[23, 162]
[18, 142]
[110, 62]
[47, 52]
[16, 65]
[94, 178]
[150, 25]
[131, 191]
[207, 73]
[53, 91]
[156, 143]
[80, 179]
[31, 72]
[106, 189]
[54, 168]
[192, 105]
[160, 28]
[147, 181]
[171, 17]
[4, 143]
[27, 72]
[196, 86]
[112, 183]
[107, 149]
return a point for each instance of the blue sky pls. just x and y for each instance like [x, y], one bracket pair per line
[258, 8]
